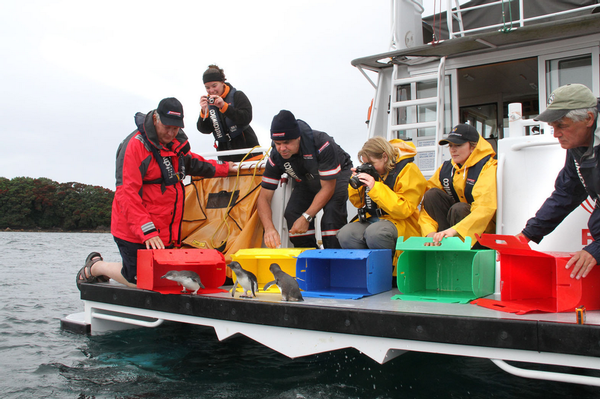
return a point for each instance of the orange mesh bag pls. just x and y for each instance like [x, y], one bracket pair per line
[221, 213]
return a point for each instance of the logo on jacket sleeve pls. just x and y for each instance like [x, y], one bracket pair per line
[323, 147]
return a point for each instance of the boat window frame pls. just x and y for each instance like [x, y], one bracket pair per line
[593, 51]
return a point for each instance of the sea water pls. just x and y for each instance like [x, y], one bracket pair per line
[39, 360]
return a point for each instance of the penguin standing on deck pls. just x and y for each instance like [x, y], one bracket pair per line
[290, 291]
[185, 278]
[246, 279]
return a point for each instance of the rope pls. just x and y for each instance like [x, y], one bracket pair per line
[504, 28]
[434, 40]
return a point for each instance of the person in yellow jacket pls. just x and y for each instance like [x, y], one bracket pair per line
[387, 189]
[461, 195]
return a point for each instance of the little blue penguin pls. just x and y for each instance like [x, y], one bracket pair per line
[185, 278]
[290, 291]
[247, 280]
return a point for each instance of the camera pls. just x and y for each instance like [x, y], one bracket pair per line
[362, 215]
[210, 100]
[364, 168]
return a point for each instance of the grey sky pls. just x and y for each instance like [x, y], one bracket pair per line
[74, 73]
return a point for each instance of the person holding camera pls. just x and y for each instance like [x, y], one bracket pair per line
[461, 195]
[226, 114]
[387, 189]
[320, 169]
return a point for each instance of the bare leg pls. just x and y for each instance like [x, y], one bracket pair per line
[112, 270]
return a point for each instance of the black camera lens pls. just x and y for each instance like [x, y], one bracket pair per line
[211, 100]
[364, 168]
[355, 182]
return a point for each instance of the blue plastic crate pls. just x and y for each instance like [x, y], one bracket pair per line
[344, 273]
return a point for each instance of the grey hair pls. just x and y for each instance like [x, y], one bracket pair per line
[578, 115]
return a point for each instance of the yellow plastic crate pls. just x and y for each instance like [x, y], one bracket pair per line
[258, 260]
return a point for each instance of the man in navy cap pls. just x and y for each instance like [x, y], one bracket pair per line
[321, 170]
[572, 112]
[148, 206]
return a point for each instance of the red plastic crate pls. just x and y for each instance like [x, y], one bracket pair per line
[533, 281]
[152, 264]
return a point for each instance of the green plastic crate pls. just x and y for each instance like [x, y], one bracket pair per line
[449, 273]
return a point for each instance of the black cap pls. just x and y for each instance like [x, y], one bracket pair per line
[284, 126]
[170, 111]
[461, 134]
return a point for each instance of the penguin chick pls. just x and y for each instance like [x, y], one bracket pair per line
[247, 280]
[185, 278]
[290, 291]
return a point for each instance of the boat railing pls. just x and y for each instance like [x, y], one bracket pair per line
[456, 14]
[250, 164]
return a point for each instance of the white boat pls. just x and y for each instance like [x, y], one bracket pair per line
[489, 70]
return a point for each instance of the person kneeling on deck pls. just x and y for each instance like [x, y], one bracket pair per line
[387, 190]
[461, 195]
[148, 204]
[572, 112]
[321, 170]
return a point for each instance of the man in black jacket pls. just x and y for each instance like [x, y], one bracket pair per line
[321, 170]
[572, 112]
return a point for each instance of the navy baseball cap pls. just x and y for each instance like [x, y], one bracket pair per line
[461, 134]
[170, 111]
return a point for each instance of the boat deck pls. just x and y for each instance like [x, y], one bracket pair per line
[372, 316]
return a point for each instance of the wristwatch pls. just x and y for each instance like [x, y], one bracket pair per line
[307, 217]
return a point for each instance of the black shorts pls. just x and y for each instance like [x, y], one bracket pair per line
[128, 252]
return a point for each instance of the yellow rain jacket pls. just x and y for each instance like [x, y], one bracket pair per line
[401, 204]
[482, 218]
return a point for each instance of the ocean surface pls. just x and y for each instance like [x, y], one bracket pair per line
[39, 360]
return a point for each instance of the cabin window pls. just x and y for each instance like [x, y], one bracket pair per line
[563, 71]
[483, 117]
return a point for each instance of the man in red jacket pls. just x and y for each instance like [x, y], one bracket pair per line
[148, 205]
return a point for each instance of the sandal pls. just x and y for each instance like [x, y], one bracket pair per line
[100, 279]
[85, 273]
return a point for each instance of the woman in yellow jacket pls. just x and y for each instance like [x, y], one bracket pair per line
[461, 195]
[387, 189]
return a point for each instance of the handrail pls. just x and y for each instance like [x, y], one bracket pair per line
[441, 91]
[500, 192]
[547, 375]
[127, 320]
[522, 146]
[521, 21]
[232, 152]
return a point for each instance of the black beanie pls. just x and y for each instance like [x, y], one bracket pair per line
[284, 126]
[212, 75]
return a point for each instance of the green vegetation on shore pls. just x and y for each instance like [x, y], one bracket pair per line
[29, 204]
